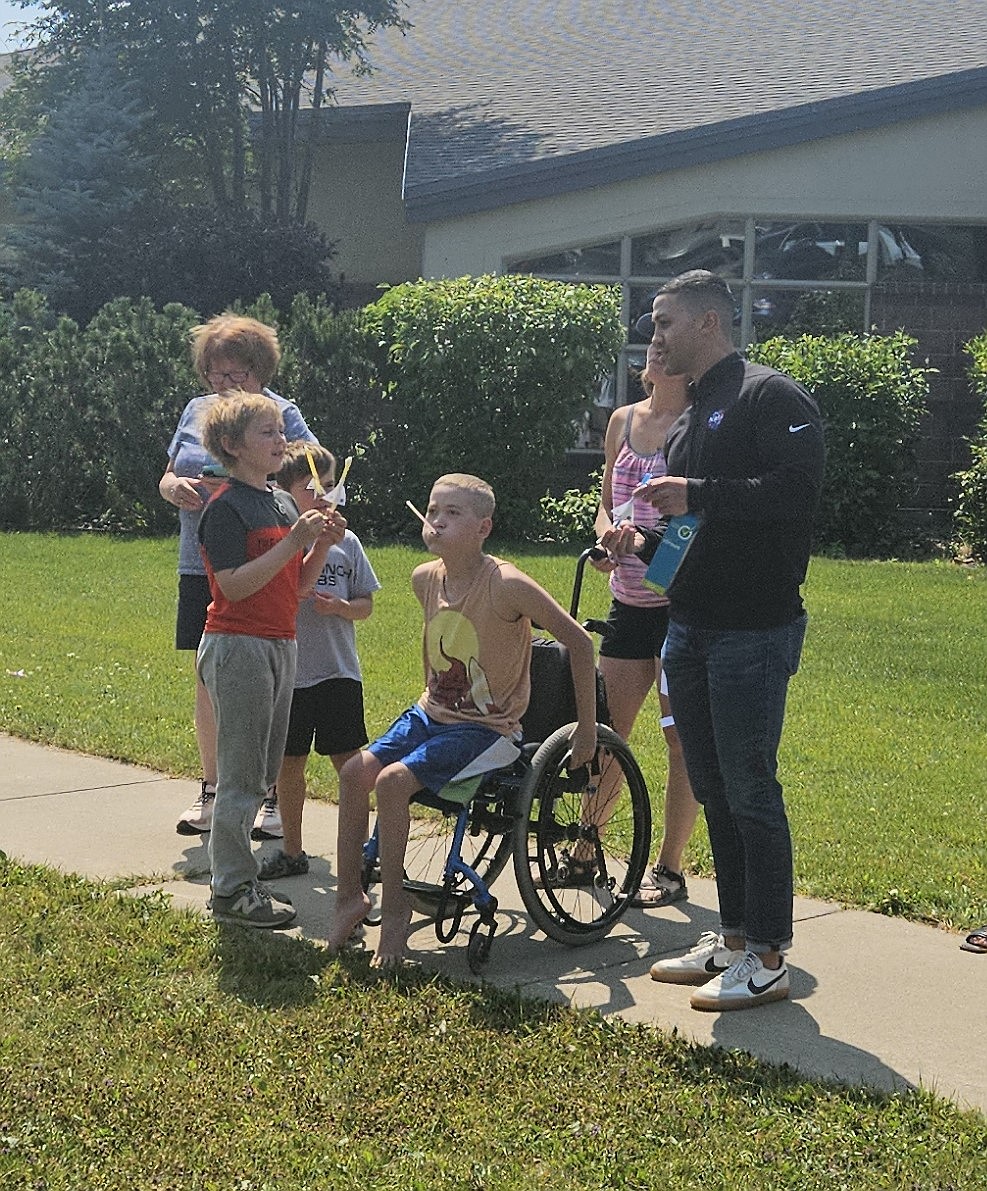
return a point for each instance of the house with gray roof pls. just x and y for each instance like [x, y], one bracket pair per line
[829, 157]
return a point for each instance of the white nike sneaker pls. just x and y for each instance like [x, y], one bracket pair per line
[708, 958]
[743, 985]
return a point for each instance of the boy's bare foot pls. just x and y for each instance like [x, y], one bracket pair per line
[387, 963]
[392, 948]
[349, 915]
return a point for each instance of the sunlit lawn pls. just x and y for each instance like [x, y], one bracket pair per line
[885, 745]
[149, 1048]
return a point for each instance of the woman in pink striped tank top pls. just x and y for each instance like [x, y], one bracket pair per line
[630, 654]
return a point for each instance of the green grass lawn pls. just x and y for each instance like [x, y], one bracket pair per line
[148, 1050]
[144, 1048]
[885, 745]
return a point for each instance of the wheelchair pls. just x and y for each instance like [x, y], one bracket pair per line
[579, 840]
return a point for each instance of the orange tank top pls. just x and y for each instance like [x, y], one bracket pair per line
[477, 665]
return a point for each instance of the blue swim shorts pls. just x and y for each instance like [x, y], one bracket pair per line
[438, 754]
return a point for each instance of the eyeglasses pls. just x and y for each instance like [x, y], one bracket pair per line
[235, 378]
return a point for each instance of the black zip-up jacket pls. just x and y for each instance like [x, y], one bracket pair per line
[751, 445]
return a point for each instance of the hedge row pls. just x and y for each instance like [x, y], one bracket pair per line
[489, 375]
[872, 398]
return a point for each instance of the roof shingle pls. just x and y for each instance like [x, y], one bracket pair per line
[501, 88]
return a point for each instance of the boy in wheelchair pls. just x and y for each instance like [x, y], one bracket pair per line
[476, 651]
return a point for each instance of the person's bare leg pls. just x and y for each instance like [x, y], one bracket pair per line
[339, 759]
[681, 809]
[627, 683]
[396, 785]
[205, 733]
[291, 800]
[356, 781]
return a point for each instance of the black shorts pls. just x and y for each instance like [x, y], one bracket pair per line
[633, 633]
[194, 598]
[331, 714]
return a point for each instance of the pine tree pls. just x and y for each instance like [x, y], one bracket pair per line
[75, 188]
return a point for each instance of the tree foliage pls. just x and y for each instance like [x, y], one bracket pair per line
[94, 224]
[75, 188]
[228, 83]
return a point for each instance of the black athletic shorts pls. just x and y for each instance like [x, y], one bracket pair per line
[330, 714]
[193, 599]
[634, 633]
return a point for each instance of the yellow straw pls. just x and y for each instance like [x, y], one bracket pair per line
[342, 480]
[319, 490]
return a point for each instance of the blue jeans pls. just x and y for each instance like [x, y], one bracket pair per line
[727, 688]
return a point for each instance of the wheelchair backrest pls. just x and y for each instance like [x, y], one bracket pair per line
[553, 700]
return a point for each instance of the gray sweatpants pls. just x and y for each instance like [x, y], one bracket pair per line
[249, 680]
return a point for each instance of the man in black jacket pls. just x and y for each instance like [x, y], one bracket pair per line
[747, 458]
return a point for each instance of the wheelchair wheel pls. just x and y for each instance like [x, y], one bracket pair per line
[582, 840]
[487, 847]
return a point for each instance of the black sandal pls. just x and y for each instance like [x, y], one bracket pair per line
[661, 886]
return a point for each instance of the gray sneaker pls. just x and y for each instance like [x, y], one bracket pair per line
[707, 959]
[253, 905]
[282, 865]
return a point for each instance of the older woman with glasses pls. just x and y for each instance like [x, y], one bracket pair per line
[229, 352]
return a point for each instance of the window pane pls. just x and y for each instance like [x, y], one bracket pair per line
[592, 260]
[806, 312]
[811, 251]
[932, 252]
[718, 247]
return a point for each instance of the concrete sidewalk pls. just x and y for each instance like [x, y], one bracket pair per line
[876, 1001]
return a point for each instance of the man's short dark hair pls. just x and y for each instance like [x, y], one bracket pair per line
[702, 291]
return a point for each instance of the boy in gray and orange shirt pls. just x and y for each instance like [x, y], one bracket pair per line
[254, 546]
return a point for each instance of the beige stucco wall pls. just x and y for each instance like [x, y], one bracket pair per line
[364, 212]
[913, 172]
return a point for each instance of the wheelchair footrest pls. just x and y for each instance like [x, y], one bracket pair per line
[429, 899]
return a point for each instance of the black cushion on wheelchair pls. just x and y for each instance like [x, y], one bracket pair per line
[553, 699]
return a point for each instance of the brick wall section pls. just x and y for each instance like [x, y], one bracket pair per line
[942, 317]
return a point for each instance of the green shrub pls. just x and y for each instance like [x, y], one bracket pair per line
[329, 370]
[487, 375]
[93, 411]
[571, 517]
[872, 398]
[971, 502]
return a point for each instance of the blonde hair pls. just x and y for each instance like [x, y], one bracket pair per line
[228, 417]
[481, 495]
[251, 343]
[294, 465]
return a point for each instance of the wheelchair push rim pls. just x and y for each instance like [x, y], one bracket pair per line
[582, 841]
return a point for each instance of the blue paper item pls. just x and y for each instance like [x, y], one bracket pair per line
[672, 549]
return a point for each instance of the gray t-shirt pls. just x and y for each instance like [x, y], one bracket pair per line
[327, 644]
